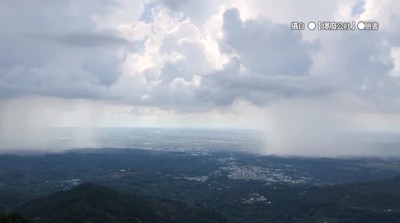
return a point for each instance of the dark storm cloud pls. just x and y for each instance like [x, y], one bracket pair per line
[187, 57]
[61, 90]
[173, 4]
[54, 48]
[226, 85]
[277, 63]
[265, 47]
[57, 49]
[94, 39]
[68, 57]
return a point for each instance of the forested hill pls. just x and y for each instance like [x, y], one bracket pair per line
[93, 203]
[362, 202]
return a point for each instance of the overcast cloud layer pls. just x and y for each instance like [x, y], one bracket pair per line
[190, 63]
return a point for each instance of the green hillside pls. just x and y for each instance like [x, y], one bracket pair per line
[93, 203]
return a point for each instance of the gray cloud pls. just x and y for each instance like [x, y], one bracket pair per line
[265, 47]
[69, 57]
[277, 63]
[173, 4]
[94, 39]
[55, 49]
[191, 57]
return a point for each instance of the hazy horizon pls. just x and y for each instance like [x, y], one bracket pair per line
[183, 139]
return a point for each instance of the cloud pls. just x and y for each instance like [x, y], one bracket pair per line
[265, 47]
[264, 60]
[174, 4]
[100, 39]
[261, 68]
[199, 58]
[56, 49]
[358, 8]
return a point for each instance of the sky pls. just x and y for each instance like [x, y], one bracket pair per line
[204, 64]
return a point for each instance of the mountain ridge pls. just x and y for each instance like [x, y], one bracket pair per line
[89, 202]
